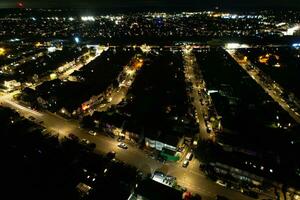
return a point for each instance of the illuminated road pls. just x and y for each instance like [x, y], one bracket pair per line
[273, 90]
[190, 177]
[190, 65]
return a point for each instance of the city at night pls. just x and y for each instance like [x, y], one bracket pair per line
[150, 99]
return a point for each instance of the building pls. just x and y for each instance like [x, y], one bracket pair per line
[151, 190]
[83, 189]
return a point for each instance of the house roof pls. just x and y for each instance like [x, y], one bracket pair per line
[153, 190]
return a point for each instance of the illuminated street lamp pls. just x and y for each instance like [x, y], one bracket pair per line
[2, 51]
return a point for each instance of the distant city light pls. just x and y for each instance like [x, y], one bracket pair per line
[71, 18]
[281, 24]
[51, 49]
[20, 4]
[296, 45]
[212, 91]
[87, 18]
[292, 30]
[77, 40]
[14, 40]
[2, 51]
[38, 44]
[236, 46]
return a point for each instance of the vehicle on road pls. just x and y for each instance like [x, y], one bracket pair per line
[122, 145]
[92, 133]
[185, 163]
[222, 183]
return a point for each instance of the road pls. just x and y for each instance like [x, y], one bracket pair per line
[191, 177]
[273, 90]
[190, 65]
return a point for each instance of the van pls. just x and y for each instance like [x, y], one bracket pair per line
[189, 156]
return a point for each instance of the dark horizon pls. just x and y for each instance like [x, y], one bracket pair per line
[156, 4]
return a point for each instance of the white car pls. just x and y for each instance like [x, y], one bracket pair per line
[122, 145]
[85, 141]
[92, 133]
[222, 183]
[185, 163]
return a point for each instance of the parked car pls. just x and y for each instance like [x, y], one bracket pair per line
[73, 137]
[189, 156]
[185, 163]
[122, 145]
[92, 133]
[111, 155]
[85, 141]
[222, 183]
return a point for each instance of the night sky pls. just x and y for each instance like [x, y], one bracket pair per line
[154, 3]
